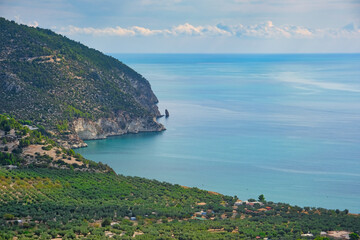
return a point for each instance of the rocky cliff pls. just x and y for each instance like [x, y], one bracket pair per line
[121, 124]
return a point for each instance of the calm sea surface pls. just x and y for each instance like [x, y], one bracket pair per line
[286, 126]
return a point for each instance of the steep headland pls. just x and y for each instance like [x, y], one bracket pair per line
[74, 91]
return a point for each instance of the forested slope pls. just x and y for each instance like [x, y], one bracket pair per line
[54, 81]
[45, 203]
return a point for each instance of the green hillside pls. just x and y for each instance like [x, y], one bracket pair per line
[52, 80]
[62, 203]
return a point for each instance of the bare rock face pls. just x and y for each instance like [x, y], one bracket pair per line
[10, 83]
[78, 143]
[144, 95]
[122, 124]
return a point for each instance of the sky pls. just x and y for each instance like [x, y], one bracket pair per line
[197, 26]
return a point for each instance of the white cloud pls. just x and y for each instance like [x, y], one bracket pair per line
[303, 32]
[30, 24]
[188, 29]
[116, 31]
[33, 24]
[265, 30]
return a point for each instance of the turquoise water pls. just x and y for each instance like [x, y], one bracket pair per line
[286, 126]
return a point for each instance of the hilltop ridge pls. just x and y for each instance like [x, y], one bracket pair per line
[74, 91]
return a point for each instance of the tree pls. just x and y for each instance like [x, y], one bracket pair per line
[354, 236]
[8, 216]
[106, 222]
[24, 142]
[261, 198]
[7, 129]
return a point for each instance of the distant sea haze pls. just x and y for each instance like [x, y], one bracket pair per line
[286, 126]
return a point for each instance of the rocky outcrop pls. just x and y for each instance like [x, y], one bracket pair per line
[121, 124]
[73, 141]
[144, 95]
[11, 83]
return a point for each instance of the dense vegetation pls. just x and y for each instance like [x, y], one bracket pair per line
[50, 79]
[67, 203]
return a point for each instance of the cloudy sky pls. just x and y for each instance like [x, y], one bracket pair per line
[197, 26]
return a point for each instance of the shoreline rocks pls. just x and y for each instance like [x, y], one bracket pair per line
[102, 128]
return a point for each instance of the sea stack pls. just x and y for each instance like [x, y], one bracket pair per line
[167, 113]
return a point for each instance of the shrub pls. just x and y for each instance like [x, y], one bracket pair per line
[106, 222]
[8, 216]
[47, 148]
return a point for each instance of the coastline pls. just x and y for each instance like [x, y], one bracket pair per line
[103, 128]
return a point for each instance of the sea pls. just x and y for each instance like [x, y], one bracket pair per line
[283, 125]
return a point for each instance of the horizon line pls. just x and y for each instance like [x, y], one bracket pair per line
[223, 53]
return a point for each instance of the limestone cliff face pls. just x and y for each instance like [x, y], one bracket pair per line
[144, 95]
[121, 124]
